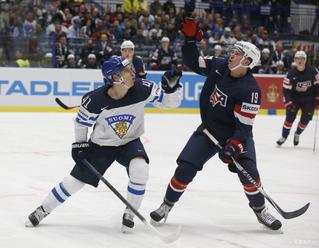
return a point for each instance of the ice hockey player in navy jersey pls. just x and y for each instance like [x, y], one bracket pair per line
[116, 111]
[229, 102]
[136, 62]
[301, 91]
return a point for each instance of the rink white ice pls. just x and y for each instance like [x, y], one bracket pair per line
[35, 155]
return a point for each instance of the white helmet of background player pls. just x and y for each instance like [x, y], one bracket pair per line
[127, 44]
[300, 54]
[250, 52]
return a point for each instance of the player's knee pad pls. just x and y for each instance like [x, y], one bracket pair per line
[185, 172]
[71, 184]
[305, 118]
[138, 170]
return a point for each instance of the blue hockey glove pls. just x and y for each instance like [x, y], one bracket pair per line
[232, 149]
[170, 80]
[80, 150]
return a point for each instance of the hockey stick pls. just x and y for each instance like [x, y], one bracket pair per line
[286, 215]
[62, 105]
[166, 238]
[315, 135]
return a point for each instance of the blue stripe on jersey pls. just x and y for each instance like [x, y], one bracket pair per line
[93, 118]
[161, 96]
[64, 190]
[135, 192]
[83, 123]
[82, 117]
[56, 195]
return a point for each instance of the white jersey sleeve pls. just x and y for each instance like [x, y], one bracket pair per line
[165, 101]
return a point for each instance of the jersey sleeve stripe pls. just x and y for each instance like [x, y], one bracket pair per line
[83, 122]
[244, 120]
[244, 114]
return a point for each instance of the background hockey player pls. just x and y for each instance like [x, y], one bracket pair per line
[116, 111]
[229, 101]
[301, 91]
[136, 62]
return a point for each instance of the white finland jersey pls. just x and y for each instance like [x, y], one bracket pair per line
[117, 122]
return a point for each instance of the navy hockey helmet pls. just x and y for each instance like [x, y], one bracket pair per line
[112, 67]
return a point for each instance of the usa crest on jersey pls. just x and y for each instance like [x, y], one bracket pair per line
[120, 123]
[218, 97]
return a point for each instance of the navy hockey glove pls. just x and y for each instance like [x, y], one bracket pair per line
[79, 150]
[170, 80]
[191, 31]
[232, 149]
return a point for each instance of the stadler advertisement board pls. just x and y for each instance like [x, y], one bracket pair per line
[35, 89]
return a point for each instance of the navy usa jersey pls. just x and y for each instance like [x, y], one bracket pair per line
[117, 122]
[301, 86]
[228, 105]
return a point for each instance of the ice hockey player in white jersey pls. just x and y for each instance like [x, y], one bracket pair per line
[116, 111]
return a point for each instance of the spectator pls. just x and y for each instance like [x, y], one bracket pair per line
[71, 62]
[227, 40]
[163, 58]
[92, 62]
[103, 49]
[167, 5]
[218, 51]
[155, 6]
[62, 51]
[280, 68]
[266, 64]
[47, 61]
[20, 60]
[131, 7]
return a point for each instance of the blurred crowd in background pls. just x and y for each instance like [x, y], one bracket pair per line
[83, 34]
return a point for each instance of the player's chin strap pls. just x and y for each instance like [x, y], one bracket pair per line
[240, 65]
[121, 82]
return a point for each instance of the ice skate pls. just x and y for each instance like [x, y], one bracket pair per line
[265, 218]
[36, 217]
[127, 221]
[296, 139]
[161, 213]
[281, 141]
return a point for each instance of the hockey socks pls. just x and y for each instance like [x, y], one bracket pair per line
[256, 199]
[61, 192]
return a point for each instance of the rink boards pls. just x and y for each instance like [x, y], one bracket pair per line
[34, 89]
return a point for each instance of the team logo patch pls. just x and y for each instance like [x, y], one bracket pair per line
[218, 97]
[303, 86]
[120, 124]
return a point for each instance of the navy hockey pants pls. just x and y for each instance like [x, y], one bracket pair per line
[101, 157]
[198, 150]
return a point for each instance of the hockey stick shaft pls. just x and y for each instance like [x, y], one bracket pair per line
[286, 215]
[315, 134]
[64, 106]
[166, 239]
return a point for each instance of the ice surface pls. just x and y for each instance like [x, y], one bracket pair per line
[35, 156]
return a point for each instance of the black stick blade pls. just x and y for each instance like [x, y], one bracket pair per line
[294, 214]
[62, 105]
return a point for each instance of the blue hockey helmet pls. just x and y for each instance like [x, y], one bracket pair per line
[113, 66]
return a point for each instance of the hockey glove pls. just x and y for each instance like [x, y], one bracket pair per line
[191, 31]
[232, 149]
[79, 151]
[170, 80]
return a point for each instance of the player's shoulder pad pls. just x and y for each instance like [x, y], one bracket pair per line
[144, 87]
[95, 100]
